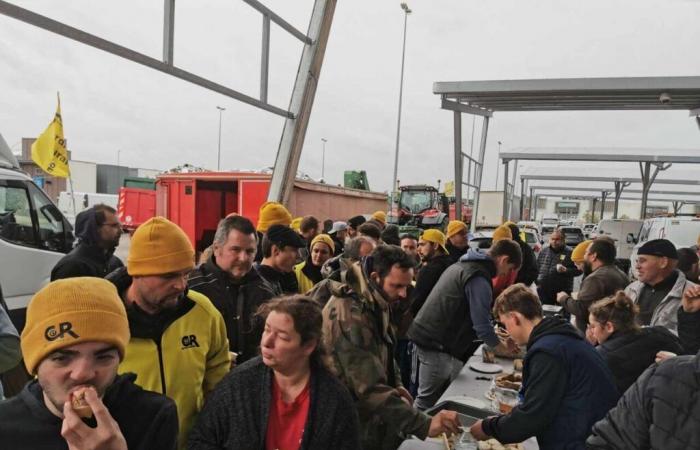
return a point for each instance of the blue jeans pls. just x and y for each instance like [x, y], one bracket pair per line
[436, 370]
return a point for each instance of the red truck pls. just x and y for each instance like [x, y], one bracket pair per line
[197, 201]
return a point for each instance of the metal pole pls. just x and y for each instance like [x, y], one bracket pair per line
[323, 160]
[482, 152]
[168, 31]
[593, 208]
[604, 196]
[218, 159]
[511, 199]
[522, 198]
[265, 58]
[504, 215]
[530, 215]
[534, 215]
[495, 186]
[394, 183]
[458, 165]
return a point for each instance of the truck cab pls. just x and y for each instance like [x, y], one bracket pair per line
[34, 235]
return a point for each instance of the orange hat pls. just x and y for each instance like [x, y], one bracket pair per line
[273, 213]
[72, 311]
[325, 239]
[436, 237]
[579, 251]
[379, 216]
[502, 232]
[159, 247]
[454, 227]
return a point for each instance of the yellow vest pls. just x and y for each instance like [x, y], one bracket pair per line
[305, 283]
[190, 359]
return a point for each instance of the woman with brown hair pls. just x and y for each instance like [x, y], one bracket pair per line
[284, 399]
[627, 348]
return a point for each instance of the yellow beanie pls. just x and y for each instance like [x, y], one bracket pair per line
[380, 216]
[159, 247]
[324, 238]
[296, 224]
[436, 237]
[454, 227]
[502, 232]
[579, 251]
[72, 311]
[273, 213]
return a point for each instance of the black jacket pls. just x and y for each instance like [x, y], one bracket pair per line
[237, 301]
[549, 281]
[689, 331]
[566, 389]
[428, 277]
[147, 420]
[86, 261]
[455, 253]
[281, 283]
[528, 271]
[660, 411]
[629, 354]
[235, 415]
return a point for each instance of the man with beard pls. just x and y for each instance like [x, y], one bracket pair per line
[98, 231]
[435, 259]
[75, 336]
[603, 280]
[556, 270]
[228, 279]
[359, 336]
[178, 344]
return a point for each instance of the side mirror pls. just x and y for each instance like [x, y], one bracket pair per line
[631, 239]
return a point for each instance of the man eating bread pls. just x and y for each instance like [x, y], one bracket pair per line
[75, 336]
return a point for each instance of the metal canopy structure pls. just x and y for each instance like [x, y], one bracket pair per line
[484, 98]
[303, 93]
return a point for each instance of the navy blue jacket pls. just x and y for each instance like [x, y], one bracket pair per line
[567, 387]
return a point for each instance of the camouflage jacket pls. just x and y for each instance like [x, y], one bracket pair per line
[360, 341]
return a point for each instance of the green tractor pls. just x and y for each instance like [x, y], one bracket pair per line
[420, 207]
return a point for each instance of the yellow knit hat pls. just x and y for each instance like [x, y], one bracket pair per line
[454, 227]
[326, 240]
[380, 216]
[273, 213]
[296, 224]
[579, 251]
[72, 311]
[502, 232]
[436, 237]
[159, 247]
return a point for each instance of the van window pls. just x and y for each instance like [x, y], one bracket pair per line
[15, 216]
[52, 235]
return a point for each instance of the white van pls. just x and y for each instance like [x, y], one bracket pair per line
[681, 231]
[620, 230]
[34, 235]
[82, 201]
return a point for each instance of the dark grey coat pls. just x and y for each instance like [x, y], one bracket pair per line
[660, 411]
[235, 414]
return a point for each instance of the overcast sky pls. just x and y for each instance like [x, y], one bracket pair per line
[160, 122]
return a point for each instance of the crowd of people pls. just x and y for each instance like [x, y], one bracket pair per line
[293, 333]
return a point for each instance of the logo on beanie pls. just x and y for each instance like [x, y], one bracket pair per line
[51, 333]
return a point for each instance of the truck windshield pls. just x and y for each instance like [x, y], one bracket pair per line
[417, 201]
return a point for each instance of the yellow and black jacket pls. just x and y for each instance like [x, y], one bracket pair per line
[182, 353]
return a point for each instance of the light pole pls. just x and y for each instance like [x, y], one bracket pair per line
[498, 166]
[218, 159]
[323, 160]
[394, 180]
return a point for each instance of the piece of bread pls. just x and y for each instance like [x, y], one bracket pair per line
[80, 405]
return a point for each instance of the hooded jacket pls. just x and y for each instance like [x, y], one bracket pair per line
[181, 352]
[87, 259]
[147, 420]
[358, 334]
[426, 280]
[666, 313]
[629, 354]
[236, 414]
[457, 313]
[527, 274]
[660, 411]
[237, 301]
[566, 388]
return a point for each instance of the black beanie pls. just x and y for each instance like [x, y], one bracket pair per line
[659, 247]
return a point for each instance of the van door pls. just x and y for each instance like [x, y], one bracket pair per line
[34, 235]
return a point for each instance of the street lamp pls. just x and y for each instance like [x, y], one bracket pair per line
[498, 166]
[218, 160]
[394, 180]
[323, 160]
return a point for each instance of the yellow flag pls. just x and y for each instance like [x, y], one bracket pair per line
[49, 150]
